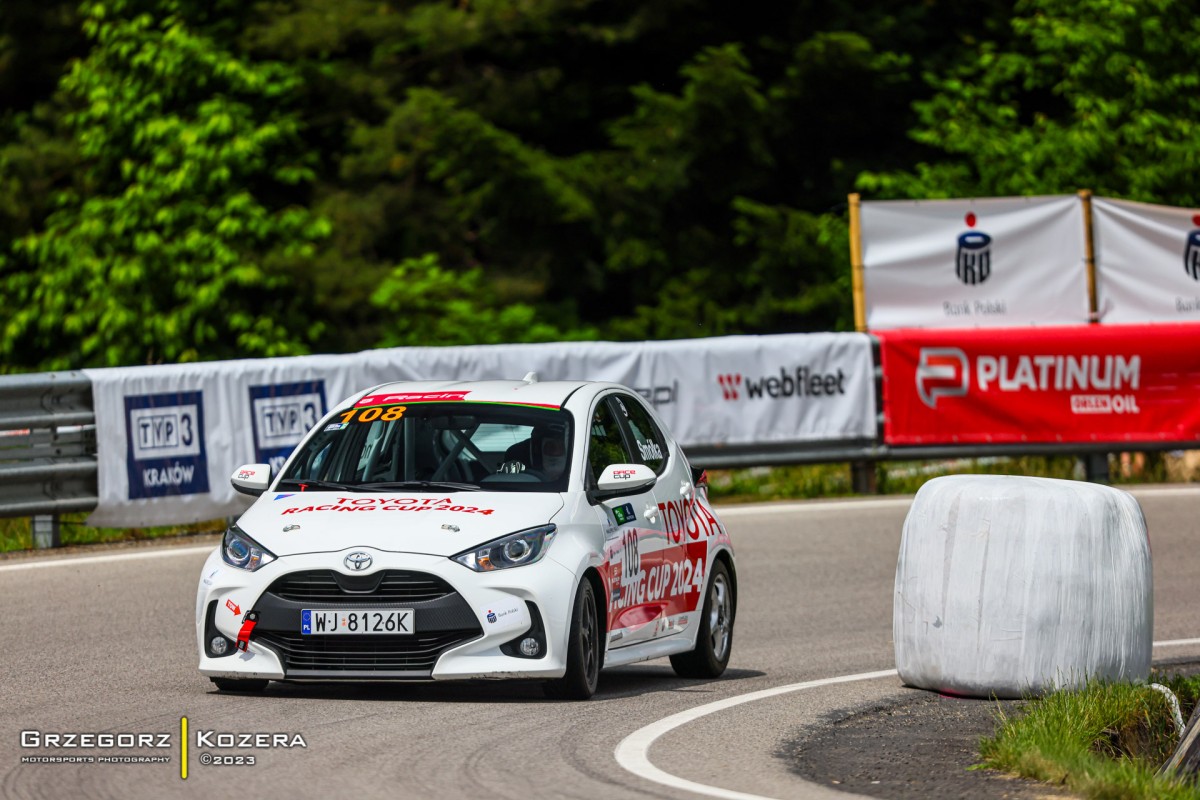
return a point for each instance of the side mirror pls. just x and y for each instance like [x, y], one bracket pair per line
[619, 479]
[251, 479]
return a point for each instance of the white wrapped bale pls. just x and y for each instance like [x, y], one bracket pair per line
[1011, 586]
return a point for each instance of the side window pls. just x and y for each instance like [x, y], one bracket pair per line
[649, 445]
[605, 445]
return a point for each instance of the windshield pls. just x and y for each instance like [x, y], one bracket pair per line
[437, 447]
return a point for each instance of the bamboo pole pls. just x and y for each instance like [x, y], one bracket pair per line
[1089, 250]
[856, 263]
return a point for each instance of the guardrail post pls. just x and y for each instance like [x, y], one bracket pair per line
[46, 531]
[863, 477]
[1095, 468]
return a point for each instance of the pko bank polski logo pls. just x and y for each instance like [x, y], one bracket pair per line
[948, 372]
[1191, 251]
[973, 261]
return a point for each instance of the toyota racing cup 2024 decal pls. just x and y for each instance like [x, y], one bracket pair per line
[1111, 383]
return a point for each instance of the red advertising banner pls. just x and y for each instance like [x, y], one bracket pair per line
[1110, 383]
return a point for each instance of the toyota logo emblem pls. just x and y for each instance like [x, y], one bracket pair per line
[358, 561]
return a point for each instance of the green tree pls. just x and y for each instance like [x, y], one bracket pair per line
[174, 239]
[670, 169]
[1099, 94]
[216, 179]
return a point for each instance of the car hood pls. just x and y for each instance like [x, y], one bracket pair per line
[436, 524]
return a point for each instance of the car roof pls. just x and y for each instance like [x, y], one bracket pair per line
[548, 394]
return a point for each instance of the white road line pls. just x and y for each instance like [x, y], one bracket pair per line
[1164, 491]
[74, 562]
[750, 510]
[633, 751]
[1177, 643]
[879, 503]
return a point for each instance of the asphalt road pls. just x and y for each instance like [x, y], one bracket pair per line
[107, 646]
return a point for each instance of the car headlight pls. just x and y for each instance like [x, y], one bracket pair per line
[239, 550]
[515, 550]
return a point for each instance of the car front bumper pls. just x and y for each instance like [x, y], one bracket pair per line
[462, 619]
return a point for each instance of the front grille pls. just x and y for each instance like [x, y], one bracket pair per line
[361, 654]
[392, 585]
[441, 617]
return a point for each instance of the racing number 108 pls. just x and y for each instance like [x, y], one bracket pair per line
[630, 560]
[388, 414]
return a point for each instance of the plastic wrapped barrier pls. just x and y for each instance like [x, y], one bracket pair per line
[1011, 586]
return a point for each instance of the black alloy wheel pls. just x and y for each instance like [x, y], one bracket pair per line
[583, 650]
[714, 640]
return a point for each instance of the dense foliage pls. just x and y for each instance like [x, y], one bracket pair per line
[189, 179]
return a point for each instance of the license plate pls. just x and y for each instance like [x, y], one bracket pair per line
[362, 621]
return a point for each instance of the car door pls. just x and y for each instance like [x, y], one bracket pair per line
[675, 580]
[634, 537]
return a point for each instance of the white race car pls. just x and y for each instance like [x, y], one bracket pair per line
[502, 529]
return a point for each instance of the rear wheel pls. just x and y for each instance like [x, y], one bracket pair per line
[240, 684]
[583, 650]
[714, 640]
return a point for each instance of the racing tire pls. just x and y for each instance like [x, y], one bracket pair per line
[714, 640]
[240, 684]
[583, 650]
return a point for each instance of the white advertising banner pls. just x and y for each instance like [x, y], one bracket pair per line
[1147, 262]
[983, 263]
[168, 437]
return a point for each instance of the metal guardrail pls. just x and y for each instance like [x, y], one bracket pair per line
[47, 449]
[48, 462]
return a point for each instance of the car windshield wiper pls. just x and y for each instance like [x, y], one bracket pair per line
[423, 485]
[316, 483]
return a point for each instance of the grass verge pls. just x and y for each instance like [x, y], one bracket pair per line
[17, 533]
[1104, 741]
[757, 484]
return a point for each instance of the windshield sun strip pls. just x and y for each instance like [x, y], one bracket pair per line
[546, 406]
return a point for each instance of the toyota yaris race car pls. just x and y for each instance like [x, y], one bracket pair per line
[504, 529]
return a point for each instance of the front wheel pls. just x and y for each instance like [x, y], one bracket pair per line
[714, 640]
[583, 650]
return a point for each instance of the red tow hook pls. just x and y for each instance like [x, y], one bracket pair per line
[248, 623]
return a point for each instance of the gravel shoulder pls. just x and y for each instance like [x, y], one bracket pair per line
[917, 744]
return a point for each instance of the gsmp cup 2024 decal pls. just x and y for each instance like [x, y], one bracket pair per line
[165, 436]
[281, 414]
